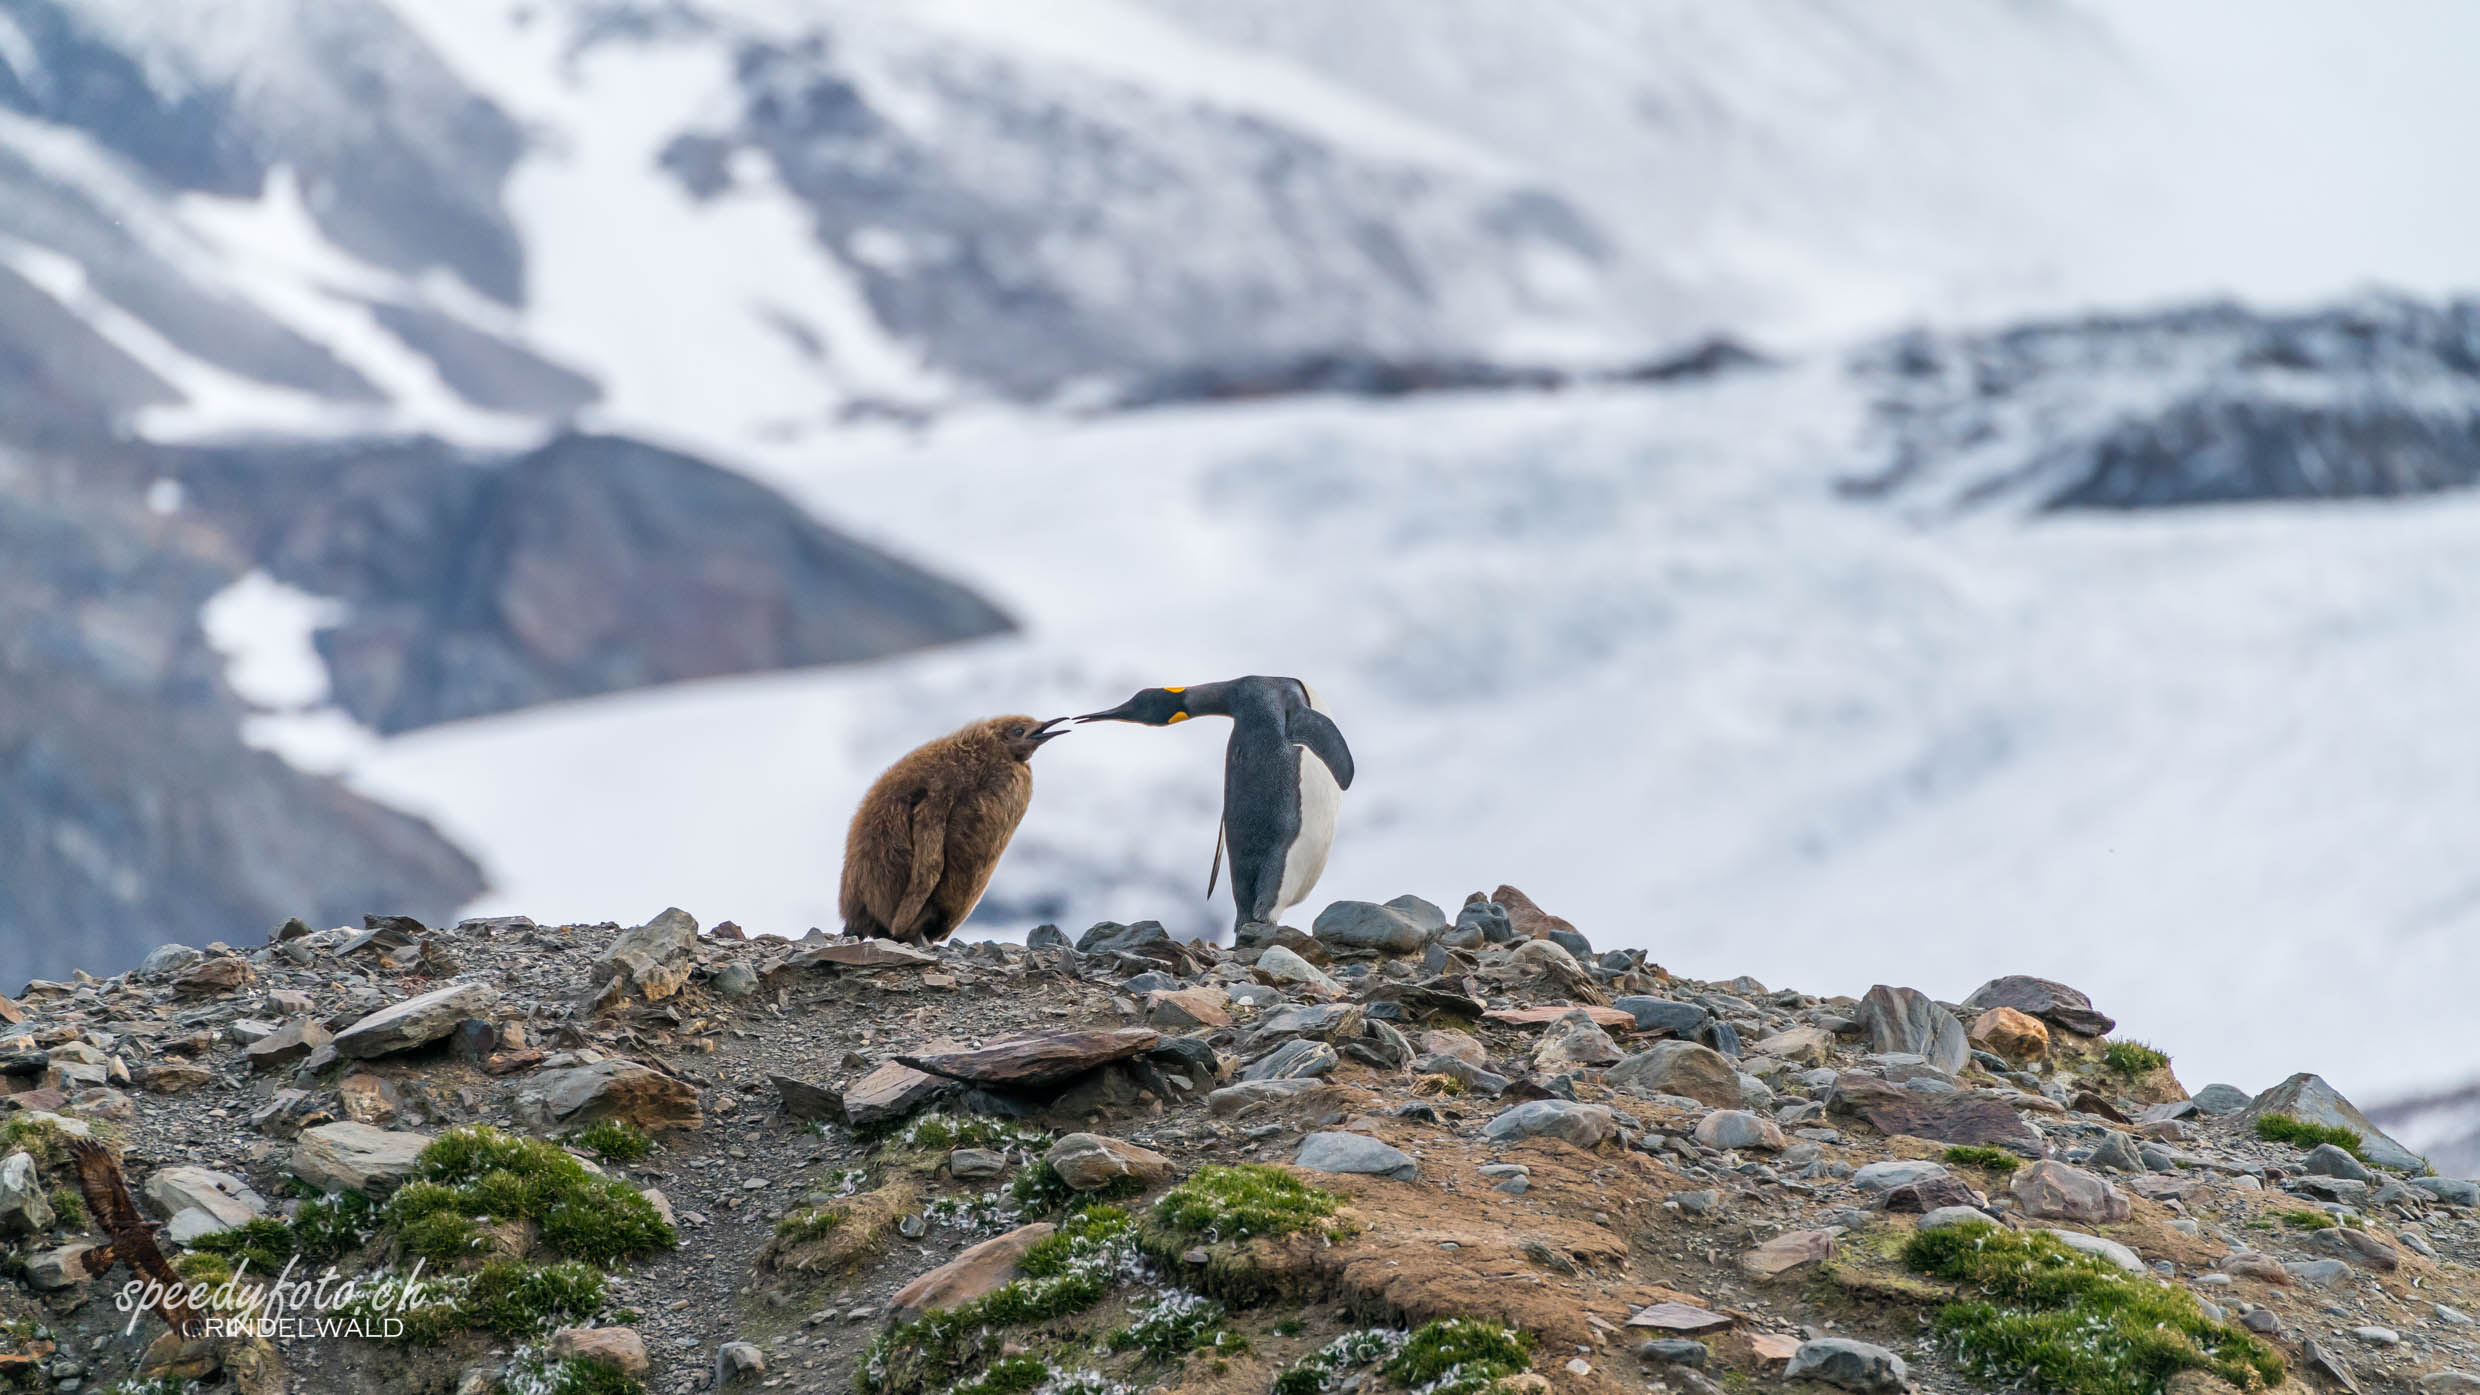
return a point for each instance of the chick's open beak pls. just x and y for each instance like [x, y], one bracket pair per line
[1044, 733]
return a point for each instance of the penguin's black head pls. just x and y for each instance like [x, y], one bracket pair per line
[1155, 707]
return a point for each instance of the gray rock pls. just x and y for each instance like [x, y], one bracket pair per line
[1294, 1060]
[1584, 1125]
[1455, 1067]
[1283, 966]
[1575, 1040]
[652, 960]
[1047, 937]
[1852, 1365]
[1249, 1094]
[1422, 913]
[2117, 1153]
[1151, 981]
[2110, 1250]
[2218, 1100]
[199, 1200]
[1905, 1019]
[1480, 922]
[1681, 1068]
[1673, 1351]
[2326, 1160]
[2450, 1190]
[1366, 925]
[2308, 1097]
[1732, 1130]
[616, 1089]
[294, 1041]
[164, 961]
[737, 1363]
[735, 980]
[23, 1207]
[350, 1157]
[1110, 937]
[2051, 1001]
[1573, 942]
[1893, 1173]
[1091, 1161]
[2320, 1273]
[972, 1164]
[63, 1266]
[1945, 1216]
[1663, 1015]
[2055, 1191]
[1352, 1152]
[415, 1021]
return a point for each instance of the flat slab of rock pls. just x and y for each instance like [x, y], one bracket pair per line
[2051, 1001]
[1788, 1251]
[1896, 1172]
[197, 1200]
[1026, 1062]
[415, 1021]
[1606, 1018]
[294, 1041]
[2055, 1191]
[1368, 925]
[864, 954]
[1180, 1009]
[1684, 1318]
[1977, 1120]
[350, 1157]
[1253, 1094]
[1297, 1059]
[970, 1275]
[890, 1092]
[614, 1089]
[1091, 1161]
[1357, 1153]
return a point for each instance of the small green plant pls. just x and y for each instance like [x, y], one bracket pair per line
[2299, 1133]
[1460, 1356]
[1234, 1202]
[1009, 1375]
[2075, 1323]
[44, 1138]
[1039, 1190]
[2307, 1220]
[614, 1141]
[2133, 1058]
[810, 1223]
[1994, 1159]
[69, 1206]
[1176, 1324]
[1322, 1370]
[535, 1374]
[938, 1133]
[478, 1173]
[1290, 1327]
[1067, 1272]
[265, 1242]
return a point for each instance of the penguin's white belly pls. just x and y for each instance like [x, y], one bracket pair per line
[1305, 861]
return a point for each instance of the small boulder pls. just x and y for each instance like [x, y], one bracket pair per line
[1352, 1152]
[1185, 1009]
[292, 1042]
[610, 1089]
[652, 961]
[1280, 966]
[350, 1157]
[1683, 1068]
[1906, 1020]
[1583, 1125]
[1787, 1252]
[970, 1275]
[1856, 1366]
[1365, 925]
[2017, 1036]
[2053, 1190]
[737, 1363]
[2110, 1250]
[2219, 1100]
[23, 1208]
[198, 1200]
[1297, 1059]
[1733, 1130]
[2326, 1160]
[2051, 1001]
[2308, 1097]
[1893, 1173]
[1110, 937]
[415, 1021]
[618, 1346]
[1575, 1040]
[1091, 1161]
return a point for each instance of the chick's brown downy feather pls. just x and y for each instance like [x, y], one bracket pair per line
[929, 833]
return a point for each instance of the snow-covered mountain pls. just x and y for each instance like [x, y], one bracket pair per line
[413, 332]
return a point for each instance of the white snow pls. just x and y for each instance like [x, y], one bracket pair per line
[1627, 652]
[264, 629]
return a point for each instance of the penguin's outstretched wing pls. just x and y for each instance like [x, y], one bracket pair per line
[1318, 732]
[929, 862]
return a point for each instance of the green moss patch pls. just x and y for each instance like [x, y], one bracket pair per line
[1994, 1159]
[2307, 1220]
[45, 1139]
[476, 1174]
[939, 1133]
[1233, 1203]
[535, 1374]
[1176, 1324]
[2133, 1057]
[1460, 1356]
[2050, 1317]
[810, 1223]
[1009, 1375]
[2299, 1133]
[614, 1141]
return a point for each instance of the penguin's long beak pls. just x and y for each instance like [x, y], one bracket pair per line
[1113, 714]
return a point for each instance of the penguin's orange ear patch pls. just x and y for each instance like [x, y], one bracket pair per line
[1175, 717]
[1181, 689]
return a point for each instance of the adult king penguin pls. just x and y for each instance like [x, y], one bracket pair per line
[1284, 773]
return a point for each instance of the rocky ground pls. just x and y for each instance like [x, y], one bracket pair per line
[875, 1168]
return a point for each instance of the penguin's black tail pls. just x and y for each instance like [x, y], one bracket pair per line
[1216, 871]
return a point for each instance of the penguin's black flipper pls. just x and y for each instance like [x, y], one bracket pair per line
[1216, 870]
[1318, 732]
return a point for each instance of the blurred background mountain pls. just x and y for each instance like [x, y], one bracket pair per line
[1792, 483]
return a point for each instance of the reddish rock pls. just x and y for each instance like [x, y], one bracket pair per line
[890, 1092]
[969, 1275]
[1531, 922]
[1787, 1252]
[1091, 1161]
[1027, 1062]
[209, 977]
[1180, 1009]
[1686, 1319]
[1606, 1018]
[1966, 1119]
[621, 1346]
[2056, 1191]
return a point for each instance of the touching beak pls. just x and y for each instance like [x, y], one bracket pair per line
[1114, 714]
[1044, 733]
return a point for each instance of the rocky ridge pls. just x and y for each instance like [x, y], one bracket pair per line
[1398, 1151]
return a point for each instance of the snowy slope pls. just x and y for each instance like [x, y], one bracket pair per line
[1632, 653]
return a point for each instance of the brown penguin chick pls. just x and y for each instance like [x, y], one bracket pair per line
[928, 835]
